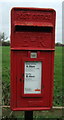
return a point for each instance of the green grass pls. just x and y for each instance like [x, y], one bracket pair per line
[6, 75]
[6, 64]
[57, 76]
[0, 78]
[0, 60]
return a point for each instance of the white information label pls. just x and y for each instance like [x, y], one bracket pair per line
[32, 78]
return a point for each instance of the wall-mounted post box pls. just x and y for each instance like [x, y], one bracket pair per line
[32, 58]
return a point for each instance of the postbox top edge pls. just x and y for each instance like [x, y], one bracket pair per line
[32, 8]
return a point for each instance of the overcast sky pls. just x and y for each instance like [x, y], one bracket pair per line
[6, 5]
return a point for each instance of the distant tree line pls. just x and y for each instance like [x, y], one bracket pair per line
[59, 44]
[7, 43]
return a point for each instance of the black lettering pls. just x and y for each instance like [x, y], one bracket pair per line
[31, 76]
[31, 66]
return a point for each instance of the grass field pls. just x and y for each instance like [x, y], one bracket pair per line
[57, 76]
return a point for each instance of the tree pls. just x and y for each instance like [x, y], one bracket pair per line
[3, 37]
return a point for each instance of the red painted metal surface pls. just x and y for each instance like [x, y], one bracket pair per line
[32, 30]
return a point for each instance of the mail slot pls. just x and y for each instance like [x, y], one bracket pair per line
[32, 58]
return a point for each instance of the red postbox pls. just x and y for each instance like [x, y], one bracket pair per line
[32, 58]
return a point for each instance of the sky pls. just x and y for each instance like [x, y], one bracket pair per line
[6, 6]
